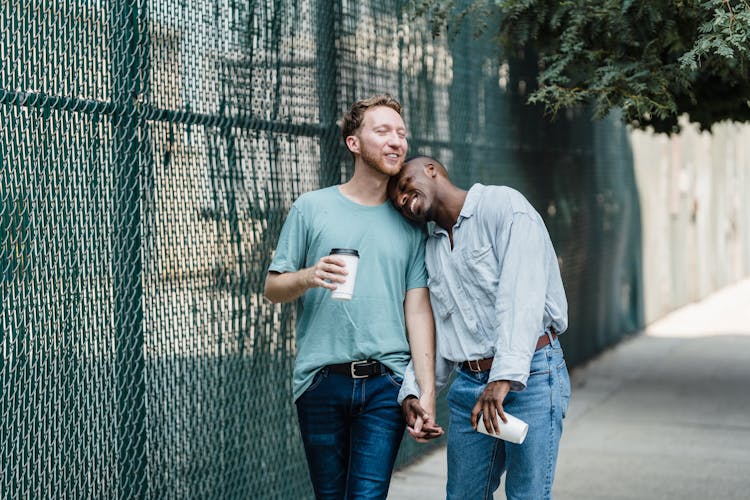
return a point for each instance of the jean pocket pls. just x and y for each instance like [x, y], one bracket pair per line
[394, 379]
[564, 380]
[317, 379]
[540, 364]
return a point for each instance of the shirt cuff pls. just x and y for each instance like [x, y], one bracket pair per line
[516, 377]
[409, 386]
[515, 385]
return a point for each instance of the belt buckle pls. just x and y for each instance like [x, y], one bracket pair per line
[354, 366]
[476, 362]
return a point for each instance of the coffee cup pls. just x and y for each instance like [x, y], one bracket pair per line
[350, 256]
[513, 431]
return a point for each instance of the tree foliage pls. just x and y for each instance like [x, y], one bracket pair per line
[655, 60]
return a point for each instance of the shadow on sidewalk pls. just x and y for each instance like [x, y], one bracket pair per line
[661, 415]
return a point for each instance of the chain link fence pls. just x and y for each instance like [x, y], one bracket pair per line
[150, 151]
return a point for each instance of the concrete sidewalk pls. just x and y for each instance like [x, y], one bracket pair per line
[663, 415]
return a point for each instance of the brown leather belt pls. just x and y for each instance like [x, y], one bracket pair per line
[483, 365]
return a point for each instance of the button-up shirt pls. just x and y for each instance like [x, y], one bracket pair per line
[496, 291]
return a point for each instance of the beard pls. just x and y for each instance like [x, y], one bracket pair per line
[376, 161]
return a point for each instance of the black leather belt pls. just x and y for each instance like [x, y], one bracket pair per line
[359, 369]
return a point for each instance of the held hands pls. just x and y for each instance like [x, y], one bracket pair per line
[419, 422]
[490, 402]
[328, 272]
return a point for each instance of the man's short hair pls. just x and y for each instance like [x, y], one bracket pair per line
[438, 166]
[353, 118]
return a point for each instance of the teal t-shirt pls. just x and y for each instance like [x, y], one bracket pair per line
[391, 261]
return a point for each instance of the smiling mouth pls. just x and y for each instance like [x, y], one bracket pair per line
[410, 207]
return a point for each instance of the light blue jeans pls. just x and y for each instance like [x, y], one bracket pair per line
[476, 462]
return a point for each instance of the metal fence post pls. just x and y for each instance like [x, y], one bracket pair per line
[127, 266]
[328, 14]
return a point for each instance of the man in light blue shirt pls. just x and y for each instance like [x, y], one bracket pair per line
[499, 305]
[351, 354]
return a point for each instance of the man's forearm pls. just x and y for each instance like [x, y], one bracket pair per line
[285, 287]
[423, 354]
[328, 272]
[420, 327]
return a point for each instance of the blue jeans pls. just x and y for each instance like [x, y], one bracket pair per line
[476, 461]
[351, 430]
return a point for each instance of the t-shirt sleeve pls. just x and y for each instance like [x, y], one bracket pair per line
[292, 246]
[416, 274]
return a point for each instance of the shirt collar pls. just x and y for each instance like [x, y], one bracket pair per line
[467, 211]
[471, 202]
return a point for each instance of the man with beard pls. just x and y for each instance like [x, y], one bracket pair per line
[351, 355]
[499, 305]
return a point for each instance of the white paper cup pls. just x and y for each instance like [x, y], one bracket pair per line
[514, 431]
[344, 291]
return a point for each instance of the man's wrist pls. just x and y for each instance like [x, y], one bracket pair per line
[514, 385]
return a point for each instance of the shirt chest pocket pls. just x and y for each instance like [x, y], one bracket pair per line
[481, 272]
[442, 306]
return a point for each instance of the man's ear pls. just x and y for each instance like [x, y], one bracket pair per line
[430, 170]
[352, 142]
